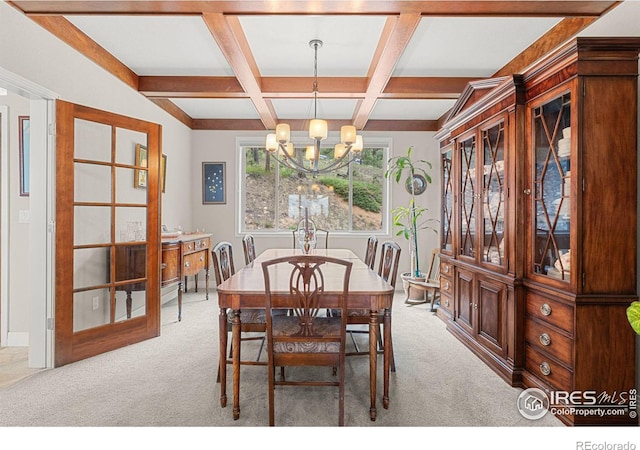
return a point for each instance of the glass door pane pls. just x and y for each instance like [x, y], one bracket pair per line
[110, 223]
[552, 182]
[447, 201]
[493, 195]
[467, 150]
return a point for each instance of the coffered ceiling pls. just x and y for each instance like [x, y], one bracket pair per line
[247, 65]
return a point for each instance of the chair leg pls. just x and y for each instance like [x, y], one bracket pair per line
[260, 351]
[355, 344]
[341, 397]
[271, 389]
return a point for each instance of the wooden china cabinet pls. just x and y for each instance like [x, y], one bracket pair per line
[539, 174]
[481, 292]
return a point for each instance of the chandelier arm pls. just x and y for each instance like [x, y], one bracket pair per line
[289, 161]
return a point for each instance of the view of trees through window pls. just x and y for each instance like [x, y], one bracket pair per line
[347, 199]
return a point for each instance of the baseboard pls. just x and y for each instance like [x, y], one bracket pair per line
[17, 339]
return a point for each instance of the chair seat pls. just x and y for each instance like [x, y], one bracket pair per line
[288, 326]
[250, 316]
[354, 313]
[255, 316]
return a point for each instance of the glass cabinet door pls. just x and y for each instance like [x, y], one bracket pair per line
[552, 188]
[492, 245]
[467, 149]
[447, 201]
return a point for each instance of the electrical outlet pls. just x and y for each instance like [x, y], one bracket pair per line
[96, 302]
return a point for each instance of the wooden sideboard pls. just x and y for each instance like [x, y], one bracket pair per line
[182, 256]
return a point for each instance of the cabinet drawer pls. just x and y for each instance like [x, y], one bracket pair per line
[446, 302]
[550, 311]
[446, 286]
[548, 340]
[446, 268]
[194, 263]
[195, 245]
[547, 370]
[170, 269]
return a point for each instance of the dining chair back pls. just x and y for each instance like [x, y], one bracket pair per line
[306, 338]
[249, 247]
[388, 271]
[370, 254]
[251, 320]
[222, 256]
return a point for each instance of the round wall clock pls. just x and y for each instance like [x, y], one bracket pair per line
[419, 184]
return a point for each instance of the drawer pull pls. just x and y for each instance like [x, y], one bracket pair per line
[545, 309]
[202, 258]
[545, 369]
[545, 339]
[187, 264]
[164, 266]
[446, 302]
[446, 269]
[446, 286]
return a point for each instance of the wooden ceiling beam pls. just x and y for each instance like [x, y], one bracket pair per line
[74, 37]
[228, 34]
[190, 86]
[547, 8]
[299, 87]
[563, 31]
[395, 36]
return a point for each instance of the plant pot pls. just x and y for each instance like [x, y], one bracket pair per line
[413, 294]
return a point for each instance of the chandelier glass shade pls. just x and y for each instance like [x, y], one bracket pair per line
[282, 149]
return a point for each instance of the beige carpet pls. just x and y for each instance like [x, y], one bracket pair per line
[169, 381]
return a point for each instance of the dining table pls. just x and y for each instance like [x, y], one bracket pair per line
[245, 290]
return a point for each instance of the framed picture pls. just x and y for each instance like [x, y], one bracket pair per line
[163, 172]
[24, 144]
[213, 183]
[140, 176]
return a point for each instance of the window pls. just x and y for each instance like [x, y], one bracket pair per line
[274, 197]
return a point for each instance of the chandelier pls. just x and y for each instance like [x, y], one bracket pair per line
[281, 148]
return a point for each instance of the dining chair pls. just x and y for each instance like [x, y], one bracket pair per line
[252, 320]
[306, 338]
[249, 247]
[370, 254]
[388, 271]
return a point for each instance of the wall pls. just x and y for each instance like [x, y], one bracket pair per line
[19, 286]
[208, 146]
[32, 53]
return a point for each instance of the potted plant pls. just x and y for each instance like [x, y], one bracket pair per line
[408, 219]
[633, 314]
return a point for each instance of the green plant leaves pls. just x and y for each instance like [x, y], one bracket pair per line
[633, 314]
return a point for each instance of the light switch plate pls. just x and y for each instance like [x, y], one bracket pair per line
[23, 216]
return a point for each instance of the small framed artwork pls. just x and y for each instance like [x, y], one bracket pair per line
[163, 172]
[24, 144]
[213, 183]
[140, 176]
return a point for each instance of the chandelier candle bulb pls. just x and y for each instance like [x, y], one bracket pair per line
[272, 143]
[283, 132]
[310, 153]
[339, 151]
[358, 145]
[348, 134]
[290, 149]
[318, 129]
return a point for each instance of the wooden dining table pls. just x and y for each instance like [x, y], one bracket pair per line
[245, 290]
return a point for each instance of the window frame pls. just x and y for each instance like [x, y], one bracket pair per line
[243, 142]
